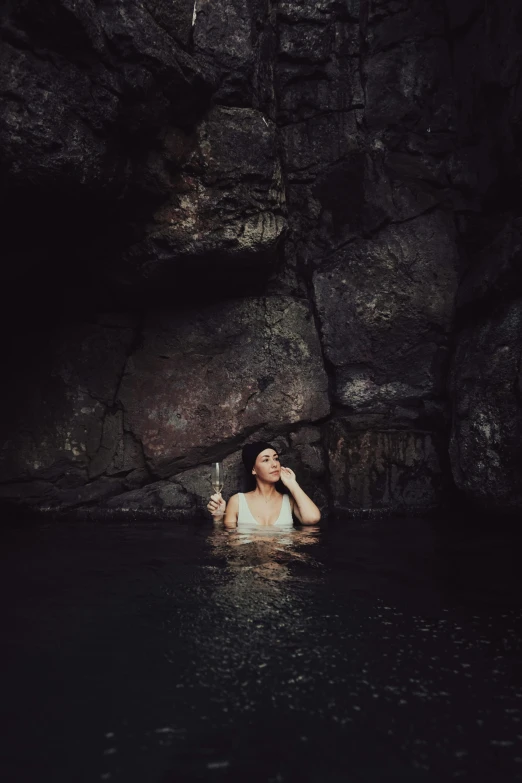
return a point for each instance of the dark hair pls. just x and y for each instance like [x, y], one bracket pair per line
[249, 455]
[251, 451]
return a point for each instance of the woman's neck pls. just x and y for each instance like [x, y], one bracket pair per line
[266, 490]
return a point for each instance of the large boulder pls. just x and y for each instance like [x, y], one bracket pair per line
[235, 39]
[388, 471]
[225, 211]
[78, 78]
[202, 379]
[61, 424]
[485, 381]
[385, 307]
[110, 408]
[486, 385]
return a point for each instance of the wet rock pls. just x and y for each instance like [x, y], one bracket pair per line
[89, 494]
[227, 206]
[28, 493]
[127, 460]
[196, 380]
[332, 156]
[63, 419]
[408, 81]
[74, 76]
[495, 272]
[305, 42]
[235, 39]
[390, 471]
[486, 382]
[385, 309]
[159, 496]
[317, 142]
[305, 436]
[63, 495]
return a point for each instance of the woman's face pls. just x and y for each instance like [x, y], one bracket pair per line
[267, 466]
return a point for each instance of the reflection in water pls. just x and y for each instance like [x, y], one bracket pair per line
[368, 653]
[260, 599]
[268, 553]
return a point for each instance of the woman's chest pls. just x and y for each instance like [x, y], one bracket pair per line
[265, 514]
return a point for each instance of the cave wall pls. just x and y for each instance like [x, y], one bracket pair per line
[253, 219]
[485, 381]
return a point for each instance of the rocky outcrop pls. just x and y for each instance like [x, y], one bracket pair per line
[485, 383]
[116, 405]
[486, 379]
[385, 308]
[225, 211]
[199, 381]
[395, 471]
[80, 81]
[368, 128]
[229, 220]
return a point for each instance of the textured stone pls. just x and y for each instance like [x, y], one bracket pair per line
[235, 39]
[157, 497]
[305, 436]
[331, 151]
[385, 309]
[227, 206]
[197, 381]
[62, 419]
[486, 383]
[317, 142]
[390, 471]
[408, 81]
[93, 493]
[71, 73]
[496, 271]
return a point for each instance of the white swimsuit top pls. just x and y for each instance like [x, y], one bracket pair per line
[246, 519]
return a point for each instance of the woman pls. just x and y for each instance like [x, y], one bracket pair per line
[265, 506]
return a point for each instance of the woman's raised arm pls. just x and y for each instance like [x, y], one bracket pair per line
[303, 507]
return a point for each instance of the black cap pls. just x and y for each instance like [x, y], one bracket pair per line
[251, 452]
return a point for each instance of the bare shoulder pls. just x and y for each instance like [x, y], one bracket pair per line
[232, 512]
[233, 501]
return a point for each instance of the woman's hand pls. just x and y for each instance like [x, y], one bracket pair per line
[217, 505]
[288, 476]
[303, 507]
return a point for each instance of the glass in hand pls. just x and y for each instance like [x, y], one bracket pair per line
[217, 477]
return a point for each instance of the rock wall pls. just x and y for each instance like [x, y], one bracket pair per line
[485, 382]
[246, 218]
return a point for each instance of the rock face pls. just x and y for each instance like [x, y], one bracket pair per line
[368, 128]
[485, 380]
[197, 381]
[126, 404]
[227, 207]
[78, 79]
[395, 471]
[229, 220]
[385, 307]
[486, 384]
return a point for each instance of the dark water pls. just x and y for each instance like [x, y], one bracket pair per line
[388, 651]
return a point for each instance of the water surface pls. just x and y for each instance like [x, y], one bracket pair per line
[160, 652]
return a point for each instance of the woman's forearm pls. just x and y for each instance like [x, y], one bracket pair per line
[308, 511]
